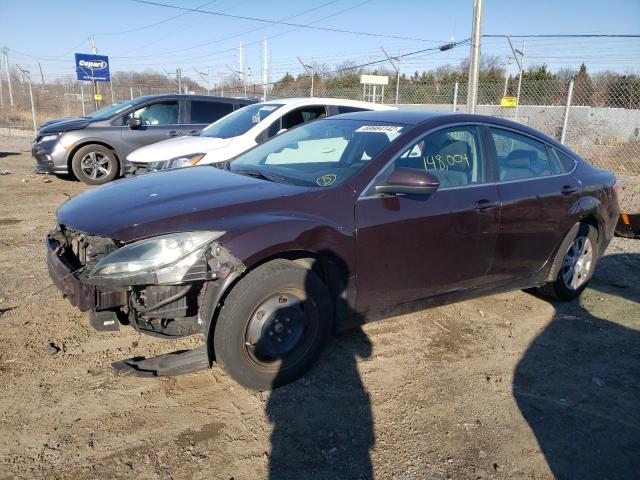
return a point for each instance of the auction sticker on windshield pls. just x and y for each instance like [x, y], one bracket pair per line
[379, 129]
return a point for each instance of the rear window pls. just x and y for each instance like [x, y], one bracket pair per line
[209, 112]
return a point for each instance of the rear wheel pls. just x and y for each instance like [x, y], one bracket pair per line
[95, 164]
[273, 325]
[576, 266]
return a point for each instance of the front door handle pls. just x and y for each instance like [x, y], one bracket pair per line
[484, 205]
[173, 133]
[569, 189]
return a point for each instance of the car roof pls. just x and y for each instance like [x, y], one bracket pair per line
[301, 101]
[395, 116]
[196, 97]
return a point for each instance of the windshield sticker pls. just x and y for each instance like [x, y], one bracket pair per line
[268, 108]
[379, 128]
[255, 118]
[326, 180]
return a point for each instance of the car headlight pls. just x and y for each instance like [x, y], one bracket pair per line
[49, 138]
[178, 162]
[163, 259]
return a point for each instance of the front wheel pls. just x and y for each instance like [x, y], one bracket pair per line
[94, 165]
[578, 262]
[273, 325]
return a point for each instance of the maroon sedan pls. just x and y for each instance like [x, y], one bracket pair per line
[334, 222]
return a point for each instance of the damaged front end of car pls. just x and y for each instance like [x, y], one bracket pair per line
[165, 286]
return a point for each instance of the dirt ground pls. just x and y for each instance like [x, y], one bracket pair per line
[508, 386]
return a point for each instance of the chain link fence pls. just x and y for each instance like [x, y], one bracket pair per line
[601, 122]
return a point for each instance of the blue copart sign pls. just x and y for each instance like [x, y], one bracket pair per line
[92, 67]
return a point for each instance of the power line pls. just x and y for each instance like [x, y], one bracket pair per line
[136, 29]
[559, 35]
[289, 24]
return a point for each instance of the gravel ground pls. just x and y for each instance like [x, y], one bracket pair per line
[507, 386]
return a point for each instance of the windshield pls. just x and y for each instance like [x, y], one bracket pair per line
[113, 109]
[240, 121]
[320, 154]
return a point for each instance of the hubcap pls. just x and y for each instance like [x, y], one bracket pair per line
[95, 165]
[276, 327]
[577, 263]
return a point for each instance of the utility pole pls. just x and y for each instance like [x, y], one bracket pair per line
[5, 50]
[94, 50]
[239, 75]
[474, 59]
[265, 71]
[306, 69]
[41, 74]
[27, 74]
[520, 63]
[506, 77]
[395, 63]
[243, 71]
[1, 92]
[179, 79]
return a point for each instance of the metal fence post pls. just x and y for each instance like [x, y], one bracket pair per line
[563, 135]
[82, 97]
[455, 97]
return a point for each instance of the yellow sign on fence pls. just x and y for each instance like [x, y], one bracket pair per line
[508, 102]
[97, 96]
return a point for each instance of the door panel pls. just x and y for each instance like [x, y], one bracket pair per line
[160, 121]
[535, 211]
[411, 247]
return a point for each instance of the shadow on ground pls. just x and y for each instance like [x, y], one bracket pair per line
[578, 383]
[7, 154]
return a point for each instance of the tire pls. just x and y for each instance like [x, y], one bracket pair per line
[95, 165]
[573, 274]
[273, 325]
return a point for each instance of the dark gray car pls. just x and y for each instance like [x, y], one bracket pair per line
[94, 147]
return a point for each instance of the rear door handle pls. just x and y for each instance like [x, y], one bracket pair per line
[569, 189]
[173, 133]
[484, 205]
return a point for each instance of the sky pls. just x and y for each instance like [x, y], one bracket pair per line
[139, 36]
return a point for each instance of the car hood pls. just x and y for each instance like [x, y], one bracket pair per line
[195, 198]
[64, 125]
[176, 147]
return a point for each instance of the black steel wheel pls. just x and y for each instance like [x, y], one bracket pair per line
[273, 325]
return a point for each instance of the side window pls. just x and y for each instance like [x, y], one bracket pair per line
[343, 109]
[161, 113]
[453, 155]
[560, 161]
[209, 112]
[302, 115]
[519, 156]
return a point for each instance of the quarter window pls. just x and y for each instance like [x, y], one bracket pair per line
[209, 112]
[453, 155]
[561, 162]
[162, 113]
[519, 156]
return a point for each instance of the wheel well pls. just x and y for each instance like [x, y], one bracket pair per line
[331, 270]
[595, 224]
[93, 142]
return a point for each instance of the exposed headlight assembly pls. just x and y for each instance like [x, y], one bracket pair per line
[178, 162]
[160, 260]
[49, 138]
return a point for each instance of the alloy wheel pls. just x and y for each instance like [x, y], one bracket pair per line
[95, 165]
[577, 263]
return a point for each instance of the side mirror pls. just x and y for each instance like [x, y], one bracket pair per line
[134, 123]
[411, 181]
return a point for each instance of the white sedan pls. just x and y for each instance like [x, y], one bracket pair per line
[238, 132]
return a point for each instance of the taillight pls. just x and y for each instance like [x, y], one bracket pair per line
[617, 186]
